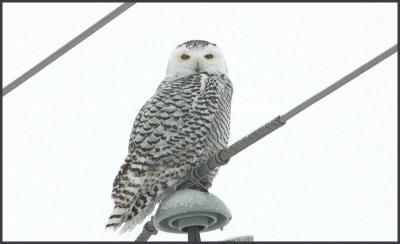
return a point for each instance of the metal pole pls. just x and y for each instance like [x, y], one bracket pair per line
[193, 234]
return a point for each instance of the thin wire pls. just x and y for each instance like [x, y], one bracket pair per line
[68, 46]
[223, 156]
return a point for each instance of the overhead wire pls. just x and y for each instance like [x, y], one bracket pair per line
[66, 47]
[223, 156]
[148, 230]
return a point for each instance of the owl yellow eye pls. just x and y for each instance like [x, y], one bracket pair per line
[185, 56]
[209, 56]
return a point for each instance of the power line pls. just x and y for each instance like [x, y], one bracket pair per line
[223, 156]
[68, 46]
[339, 83]
[148, 230]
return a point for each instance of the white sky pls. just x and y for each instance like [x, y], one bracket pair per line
[329, 174]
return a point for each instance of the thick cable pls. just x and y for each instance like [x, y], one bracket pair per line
[223, 156]
[148, 230]
[68, 46]
[339, 83]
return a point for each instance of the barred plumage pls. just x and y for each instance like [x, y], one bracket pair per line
[185, 122]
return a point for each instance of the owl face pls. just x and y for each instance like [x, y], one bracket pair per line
[196, 56]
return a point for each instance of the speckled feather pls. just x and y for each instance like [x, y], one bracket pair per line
[196, 44]
[185, 122]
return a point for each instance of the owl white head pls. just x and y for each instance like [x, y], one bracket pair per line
[196, 56]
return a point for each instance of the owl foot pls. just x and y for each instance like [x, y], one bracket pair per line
[192, 182]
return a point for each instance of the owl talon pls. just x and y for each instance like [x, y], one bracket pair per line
[192, 182]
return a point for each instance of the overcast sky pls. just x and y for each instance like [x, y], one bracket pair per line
[329, 174]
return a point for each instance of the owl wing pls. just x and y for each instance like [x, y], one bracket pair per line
[168, 135]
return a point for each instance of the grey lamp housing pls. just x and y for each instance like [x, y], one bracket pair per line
[188, 208]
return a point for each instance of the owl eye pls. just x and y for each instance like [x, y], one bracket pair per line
[209, 56]
[185, 56]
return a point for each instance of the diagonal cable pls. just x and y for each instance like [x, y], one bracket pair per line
[223, 156]
[148, 230]
[68, 46]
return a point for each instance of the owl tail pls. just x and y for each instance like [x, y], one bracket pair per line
[143, 206]
[133, 220]
[117, 217]
[129, 217]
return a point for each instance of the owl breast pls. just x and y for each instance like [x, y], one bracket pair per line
[217, 136]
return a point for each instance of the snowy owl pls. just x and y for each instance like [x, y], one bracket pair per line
[181, 125]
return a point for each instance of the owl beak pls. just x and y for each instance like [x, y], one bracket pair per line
[197, 69]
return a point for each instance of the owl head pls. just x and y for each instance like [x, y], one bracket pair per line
[196, 56]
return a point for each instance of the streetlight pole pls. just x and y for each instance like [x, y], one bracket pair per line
[193, 234]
